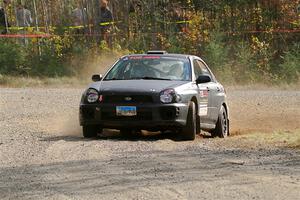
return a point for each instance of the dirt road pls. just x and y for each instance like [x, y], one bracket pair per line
[43, 156]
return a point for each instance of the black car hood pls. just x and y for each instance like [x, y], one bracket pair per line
[136, 86]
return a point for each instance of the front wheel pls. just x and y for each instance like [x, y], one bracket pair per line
[222, 126]
[90, 131]
[190, 130]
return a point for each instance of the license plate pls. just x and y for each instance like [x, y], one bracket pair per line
[127, 111]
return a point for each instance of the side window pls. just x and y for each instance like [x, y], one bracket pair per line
[197, 68]
[205, 70]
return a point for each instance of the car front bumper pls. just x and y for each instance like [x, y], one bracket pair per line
[149, 116]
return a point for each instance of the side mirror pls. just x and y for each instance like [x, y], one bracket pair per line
[97, 77]
[203, 79]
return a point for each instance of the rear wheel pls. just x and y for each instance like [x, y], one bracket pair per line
[190, 129]
[91, 131]
[222, 126]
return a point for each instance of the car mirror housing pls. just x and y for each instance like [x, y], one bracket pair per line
[97, 77]
[203, 79]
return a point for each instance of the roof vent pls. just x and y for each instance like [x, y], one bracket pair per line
[157, 52]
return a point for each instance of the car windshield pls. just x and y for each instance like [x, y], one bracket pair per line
[151, 68]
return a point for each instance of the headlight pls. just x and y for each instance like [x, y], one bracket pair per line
[168, 96]
[92, 95]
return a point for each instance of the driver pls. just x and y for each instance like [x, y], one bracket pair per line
[139, 70]
[177, 71]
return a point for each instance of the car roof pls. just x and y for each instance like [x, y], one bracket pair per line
[163, 55]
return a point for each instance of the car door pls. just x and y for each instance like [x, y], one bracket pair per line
[203, 94]
[215, 94]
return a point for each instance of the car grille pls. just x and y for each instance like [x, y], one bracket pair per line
[141, 116]
[127, 99]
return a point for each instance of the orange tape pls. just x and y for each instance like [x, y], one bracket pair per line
[25, 35]
[92, 35]
[270, 31]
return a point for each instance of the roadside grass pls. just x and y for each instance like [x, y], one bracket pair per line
[23, 82]
[84, 79]
[261, 86]
[289, 139]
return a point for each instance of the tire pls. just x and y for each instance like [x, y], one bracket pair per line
[90, 131]
[222, 126]
[198, 124]
[190, 129]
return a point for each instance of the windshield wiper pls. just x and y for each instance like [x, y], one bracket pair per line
[139, 78]
[113, 79]
[151, 78]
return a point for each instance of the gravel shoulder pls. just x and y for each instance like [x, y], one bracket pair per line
[43, 156]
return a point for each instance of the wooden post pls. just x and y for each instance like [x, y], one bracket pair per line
[127, 20]
[97, 19]
[37, 25]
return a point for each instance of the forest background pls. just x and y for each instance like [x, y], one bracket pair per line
[243, 41]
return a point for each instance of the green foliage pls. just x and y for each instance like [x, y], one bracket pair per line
[290, 68]
[12, 58]
[216, 52]
[48, 64]
[19, 59]
[243, 66]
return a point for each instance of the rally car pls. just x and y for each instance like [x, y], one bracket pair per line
[156, 91]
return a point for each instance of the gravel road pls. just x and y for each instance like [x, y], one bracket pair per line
[43, 156]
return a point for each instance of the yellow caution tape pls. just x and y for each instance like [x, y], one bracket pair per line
[75, 27]
[183, 22]
[296, 23]
[16, 28]
[106, 23]
[31, 28]
[109, 23]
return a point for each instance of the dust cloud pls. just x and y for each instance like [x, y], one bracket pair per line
[64, 120]
[95, 65]
[61, 124]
